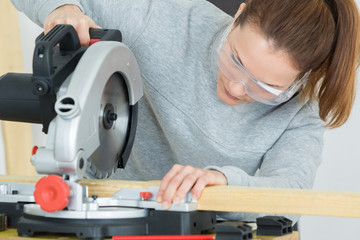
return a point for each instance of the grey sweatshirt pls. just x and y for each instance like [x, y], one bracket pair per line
[181, 119]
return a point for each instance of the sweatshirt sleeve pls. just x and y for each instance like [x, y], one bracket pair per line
[129, 16]
[38, 10]
[292, 161]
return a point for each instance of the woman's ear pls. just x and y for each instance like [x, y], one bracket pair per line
[242, 6]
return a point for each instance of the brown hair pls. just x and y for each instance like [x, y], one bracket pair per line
[318, 35]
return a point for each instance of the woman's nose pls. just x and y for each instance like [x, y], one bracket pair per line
[237, 89]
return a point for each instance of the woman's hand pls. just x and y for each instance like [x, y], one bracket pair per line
[71, 14]
[181, 179]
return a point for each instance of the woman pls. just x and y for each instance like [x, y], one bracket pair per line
[227, 98]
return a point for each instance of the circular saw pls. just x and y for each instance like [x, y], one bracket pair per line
[85, 98]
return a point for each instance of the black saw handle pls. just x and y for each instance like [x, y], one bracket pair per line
[68, 40]
[31, 98]
[65, 36]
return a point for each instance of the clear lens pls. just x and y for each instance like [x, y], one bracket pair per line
[256, 89]
[236, 74]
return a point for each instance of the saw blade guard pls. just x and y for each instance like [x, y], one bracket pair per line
[89, 116]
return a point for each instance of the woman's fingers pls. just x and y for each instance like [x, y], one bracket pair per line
[210, 178]
[71, 14]
[165, 181]
[181, 179]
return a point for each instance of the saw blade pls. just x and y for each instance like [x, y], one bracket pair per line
[113, 127]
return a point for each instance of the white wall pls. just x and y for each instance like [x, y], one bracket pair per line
[340, 170]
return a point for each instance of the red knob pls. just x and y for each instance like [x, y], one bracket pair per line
[145, 195]
[52, 193]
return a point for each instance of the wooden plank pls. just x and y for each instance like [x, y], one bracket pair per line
[107, 188]
[280, 201]
[17, 136]
[243, 199]
[100, 187]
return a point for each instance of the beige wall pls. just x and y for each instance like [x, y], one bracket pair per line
[17, 136]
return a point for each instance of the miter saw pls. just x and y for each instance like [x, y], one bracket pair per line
[86, 99]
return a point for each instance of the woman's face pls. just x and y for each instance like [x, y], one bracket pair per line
[261, 59]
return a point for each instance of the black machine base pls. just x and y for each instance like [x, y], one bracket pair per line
[157, 223]
[273, 226]
[13, 212]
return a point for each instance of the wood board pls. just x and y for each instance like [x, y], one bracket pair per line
[242, 199]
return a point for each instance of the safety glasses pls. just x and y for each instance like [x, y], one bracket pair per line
[233, 69]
